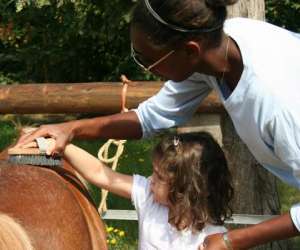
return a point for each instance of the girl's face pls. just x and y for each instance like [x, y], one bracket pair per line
[176, 64]
[159, 187]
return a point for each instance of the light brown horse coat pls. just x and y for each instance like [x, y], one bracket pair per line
[52, 205]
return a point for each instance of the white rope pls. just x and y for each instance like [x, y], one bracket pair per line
[103, 157]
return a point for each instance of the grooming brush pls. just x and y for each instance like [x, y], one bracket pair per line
[34, 155]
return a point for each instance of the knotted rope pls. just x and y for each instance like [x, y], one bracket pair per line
[103, 153]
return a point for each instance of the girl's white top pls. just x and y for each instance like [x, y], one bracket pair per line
[264, 106]
[154, 230]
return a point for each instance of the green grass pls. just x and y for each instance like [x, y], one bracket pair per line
[288, 196]
[8, 134]
[136, 159]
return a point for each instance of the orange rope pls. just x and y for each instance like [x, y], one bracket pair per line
[125, 82]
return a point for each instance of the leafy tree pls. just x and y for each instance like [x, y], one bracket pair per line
[82, 40]
[284, 13]
[66, 41]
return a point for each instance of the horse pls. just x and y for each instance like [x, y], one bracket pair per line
[46, 208]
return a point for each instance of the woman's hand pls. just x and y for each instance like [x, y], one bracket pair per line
[62, 133]
[213, 242]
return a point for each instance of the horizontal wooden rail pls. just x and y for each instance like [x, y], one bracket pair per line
[246, 219]
[98, 97]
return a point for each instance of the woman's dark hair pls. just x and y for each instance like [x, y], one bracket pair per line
[195, 167]
[204, 17]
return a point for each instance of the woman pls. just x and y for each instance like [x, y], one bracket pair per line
[252, 65]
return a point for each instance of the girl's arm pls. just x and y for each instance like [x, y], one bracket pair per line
[98, 173]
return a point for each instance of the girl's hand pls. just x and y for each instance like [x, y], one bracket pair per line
[213, 242]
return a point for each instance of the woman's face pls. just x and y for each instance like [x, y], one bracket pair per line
[174, 65]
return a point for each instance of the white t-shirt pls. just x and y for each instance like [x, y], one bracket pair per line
[154, 230]
[264, 106]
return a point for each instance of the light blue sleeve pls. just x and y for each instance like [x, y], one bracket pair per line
[295, 215]
[286, 132]
[173, 105]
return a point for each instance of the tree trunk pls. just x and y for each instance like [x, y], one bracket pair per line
[254, 9]
[255, 188]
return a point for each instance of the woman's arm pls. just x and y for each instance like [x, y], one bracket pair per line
[98, 173]
[119, 126]
[173, 105]
[281, 227]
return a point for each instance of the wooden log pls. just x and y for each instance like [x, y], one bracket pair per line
[97, 97]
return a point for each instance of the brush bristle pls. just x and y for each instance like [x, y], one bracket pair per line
[39, 160]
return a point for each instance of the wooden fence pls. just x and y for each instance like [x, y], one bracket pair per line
[104, 98]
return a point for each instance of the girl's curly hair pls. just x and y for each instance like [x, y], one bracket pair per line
[196, 170]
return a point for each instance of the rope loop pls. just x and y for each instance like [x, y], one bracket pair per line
[104, 150]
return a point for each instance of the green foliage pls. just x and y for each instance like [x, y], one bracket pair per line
[8, 133]
[65, 41]
[82, 40]
[284, 13]
[288, 196]
[5, 79]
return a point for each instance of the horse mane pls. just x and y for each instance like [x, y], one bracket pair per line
[12, 235]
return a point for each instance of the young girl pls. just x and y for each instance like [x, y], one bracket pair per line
[185, 199]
